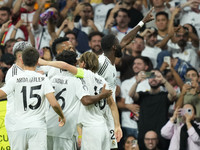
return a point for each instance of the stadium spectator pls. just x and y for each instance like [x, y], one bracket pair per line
[124, 64]
[5, 16]
[190, 91]
[135, 15]
[95, 42]
[185, 134]
[159, 5]
[154, 105]
[180, 66]
[151, 50]
[162, 20]
[121, 29]
[151, 140]
[126, 104]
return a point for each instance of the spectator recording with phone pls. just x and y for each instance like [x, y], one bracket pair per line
[151, 140]
[182, 130]
[130, 143]
[190, 91]
[180, 66]
[130, 111]
[154, 105]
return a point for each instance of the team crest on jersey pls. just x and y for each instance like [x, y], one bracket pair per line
[113, 143]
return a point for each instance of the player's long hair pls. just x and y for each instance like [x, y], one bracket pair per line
[91, 61]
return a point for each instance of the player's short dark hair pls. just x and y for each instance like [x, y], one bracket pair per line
[58, 41]
[123, 10]
[146, 60]
[107, 42]
[30, 56]
[193, 69]
[162, 13]
[91, 61]
[68, 57]
[94, 34]
[6, 9]
[71, 32]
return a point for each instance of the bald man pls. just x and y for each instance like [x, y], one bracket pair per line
[151, 140]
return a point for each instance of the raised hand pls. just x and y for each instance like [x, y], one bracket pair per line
[5, 27]
[149, 17]
[141, 76]
[117, 7]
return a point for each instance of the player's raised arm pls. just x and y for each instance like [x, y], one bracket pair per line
[115, 114]
[56, 107]
[60, 65]
[89, 99]
[131, 35]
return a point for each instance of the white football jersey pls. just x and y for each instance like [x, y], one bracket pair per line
[10, 117]
[108, 72]
[92, 115]
[29, 90]
[68, 92]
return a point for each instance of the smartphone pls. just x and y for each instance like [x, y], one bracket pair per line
[167, 59]
[24, 17]
[176, 22]
[178, 4]
[188, 81]
[150, 75]
[183, 111]
[134, 143]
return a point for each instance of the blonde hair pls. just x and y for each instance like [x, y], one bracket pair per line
[91, 61]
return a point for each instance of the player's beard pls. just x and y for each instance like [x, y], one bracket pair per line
[118, 52]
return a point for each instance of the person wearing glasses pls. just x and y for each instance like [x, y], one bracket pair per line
[151, 140]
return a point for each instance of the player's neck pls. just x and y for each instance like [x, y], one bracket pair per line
[110, 57]
[18, 63]
[29, 68]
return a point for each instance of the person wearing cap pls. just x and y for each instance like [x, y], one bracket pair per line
[179, 65]
[16, 69]
[7, 60]
[151, 50]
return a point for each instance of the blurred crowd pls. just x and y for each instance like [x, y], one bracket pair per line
[158, 93]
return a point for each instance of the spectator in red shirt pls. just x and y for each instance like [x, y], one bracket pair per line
[28, 9]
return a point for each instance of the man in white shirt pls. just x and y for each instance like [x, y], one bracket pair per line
[5, 16]
[16, 69]
[41, 33]
[85, 23]
[101, 10]
[129, 125]
[191, 16]
[162, 20]
[95, 42]
[159, 5]
[29, 107]
[121, 29]
[151, 50]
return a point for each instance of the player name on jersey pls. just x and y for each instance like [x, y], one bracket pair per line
[33, 79]
[59, 81]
